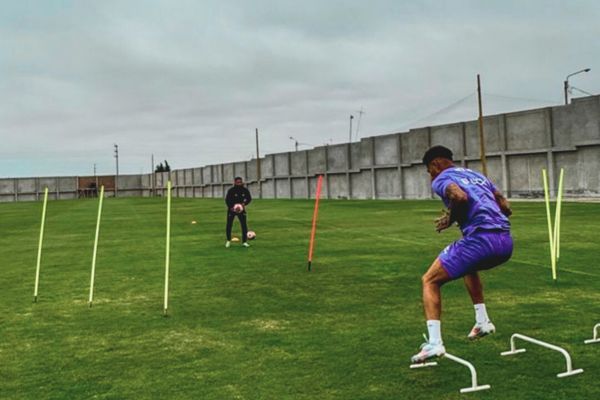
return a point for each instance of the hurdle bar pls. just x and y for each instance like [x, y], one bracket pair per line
[595, 339]
[513, 350]
[475, 387]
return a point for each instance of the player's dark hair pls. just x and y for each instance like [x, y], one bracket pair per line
[437, 152]
[238, 178]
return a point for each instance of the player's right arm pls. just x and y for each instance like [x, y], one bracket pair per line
[502, 203]
[457, 207]
[229, 200]
[459, 203]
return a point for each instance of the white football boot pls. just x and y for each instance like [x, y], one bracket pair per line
[428, 351]
[227, 244]
[246, 244]
[481, 330]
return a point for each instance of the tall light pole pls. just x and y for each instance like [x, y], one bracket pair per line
[153, 176]
[95, 176]
[258, 173]
[481, 133]
[295, 143]
[566, 82]
[350, 134]
[360, 114]
[117, 170]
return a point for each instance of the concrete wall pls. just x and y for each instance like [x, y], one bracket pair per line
[518, 145]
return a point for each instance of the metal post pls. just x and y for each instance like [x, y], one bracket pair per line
[152, 177]
[258, 174]
[350, 133]
[117, 170]
[481, 134]
[95, 177]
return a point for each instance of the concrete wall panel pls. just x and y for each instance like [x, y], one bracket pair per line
[316, 161]
[337, 158]
[298, 159]
[449, 136]
[7, 186]
[492, 129]
[282, 164]
[251, 170]
[239, 169]
[414, 144]
[299, 190]
[388, 183]
[417, 183]
[386, 149]
[283, 189]
[361, 185]
[338, 186]
[268, 189]
[26, 185]
[361, 156]
[525, 174]
[228, 173]
[266, 167]
[526, 130]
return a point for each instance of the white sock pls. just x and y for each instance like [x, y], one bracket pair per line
[435, 331]
[481, 316]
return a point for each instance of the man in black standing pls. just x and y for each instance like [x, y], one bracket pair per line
[238, 197]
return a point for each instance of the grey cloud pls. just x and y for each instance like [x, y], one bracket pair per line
[189, 81]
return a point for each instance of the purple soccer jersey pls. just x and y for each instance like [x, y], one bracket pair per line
[487, 242]
[483, 214]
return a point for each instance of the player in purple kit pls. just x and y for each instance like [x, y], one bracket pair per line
[482, 212]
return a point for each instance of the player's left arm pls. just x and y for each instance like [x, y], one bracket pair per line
[502, 203]
[457, 209]
[248, 197]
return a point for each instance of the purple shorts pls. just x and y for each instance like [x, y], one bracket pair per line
[481, 250]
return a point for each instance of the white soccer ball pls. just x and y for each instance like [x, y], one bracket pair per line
[251, 235]
[238, 208]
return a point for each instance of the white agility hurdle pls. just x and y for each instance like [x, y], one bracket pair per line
[475, 387]
[570, 371]
[595, 338]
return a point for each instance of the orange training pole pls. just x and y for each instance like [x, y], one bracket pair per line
[314, 222]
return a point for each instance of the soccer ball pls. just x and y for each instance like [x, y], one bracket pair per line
[238, 208]
[251, 235]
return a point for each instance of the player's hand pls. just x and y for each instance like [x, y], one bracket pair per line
[443, 222]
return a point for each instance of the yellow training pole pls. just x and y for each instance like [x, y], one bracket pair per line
[547, 198]
[168, 248]
[39, 255]
[558, 214]
[96, 246]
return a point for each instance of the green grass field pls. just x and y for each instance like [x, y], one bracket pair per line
[253, 324]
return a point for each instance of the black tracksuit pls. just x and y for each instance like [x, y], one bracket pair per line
[235, 195]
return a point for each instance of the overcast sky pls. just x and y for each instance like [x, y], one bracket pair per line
[190, 80]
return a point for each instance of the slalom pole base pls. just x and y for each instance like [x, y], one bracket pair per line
[511, 352]
[309, 266]
[570, 373]
[165, 313]
[90, 304]
[475, 389]
[35, 299]
[424, 365]
[596, 337]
